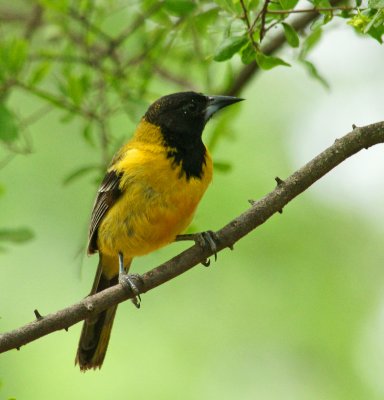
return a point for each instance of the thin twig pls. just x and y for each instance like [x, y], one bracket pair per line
[247, 72]
[136, 24]
[103, 122]
[35, 116]
[248, 23]
[6, 160]
[34, 21]
[59, 102]
[93, 62]
[277, 41]
[260, 14]
[245, 15]
[8, 15]
[315, 9]
[263, 14]
[261, 210]
[89, 25]
[182, 81]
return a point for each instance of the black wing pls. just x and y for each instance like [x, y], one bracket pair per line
[107, 196]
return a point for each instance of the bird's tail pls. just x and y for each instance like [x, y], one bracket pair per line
[96, 330]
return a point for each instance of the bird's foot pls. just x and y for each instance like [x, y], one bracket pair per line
[126, 280]
[205, 240]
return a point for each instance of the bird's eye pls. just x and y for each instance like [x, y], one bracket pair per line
[190, 108]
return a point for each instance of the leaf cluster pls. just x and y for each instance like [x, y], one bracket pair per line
[105, 61]
[96, 60]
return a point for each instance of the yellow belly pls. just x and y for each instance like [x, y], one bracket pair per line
[157, 203]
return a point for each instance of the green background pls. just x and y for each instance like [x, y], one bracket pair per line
[294, 312]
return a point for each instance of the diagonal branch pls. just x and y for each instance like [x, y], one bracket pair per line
[261, 211]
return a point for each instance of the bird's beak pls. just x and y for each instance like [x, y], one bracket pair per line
[216, 103]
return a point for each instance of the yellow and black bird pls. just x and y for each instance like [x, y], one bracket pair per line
[148, 197]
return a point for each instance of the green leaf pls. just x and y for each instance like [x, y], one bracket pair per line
[206, 19]
[18, 235]
[310, 42]
[321, 3]
[78, 173]
[13, 55]
[18, 55]
[57, 5]
[222, 166]
[288, 4]
[373, 22]
[269, 62]
[75, 89]
[8, 126]
[369, 23]
[346, 14]
[314, 73]
[252, 4]
[376, 4]
[375, 28]
[248, 54]
[39, 73]
[359, 21]
[87, 134]
[179, 7]
[229, 47]
[67, 117]
[231, 6]
[291, 35]
[377, 33]
[85, 6]
[318, 23]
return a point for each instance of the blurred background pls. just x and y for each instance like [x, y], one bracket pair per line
[296, 311]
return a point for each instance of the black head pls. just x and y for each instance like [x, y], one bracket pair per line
[182, 118]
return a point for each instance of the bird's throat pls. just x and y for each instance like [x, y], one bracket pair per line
[191, 160]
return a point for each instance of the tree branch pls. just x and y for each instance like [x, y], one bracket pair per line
[316, 9]
[261, 211]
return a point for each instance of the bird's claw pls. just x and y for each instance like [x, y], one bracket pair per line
[127, 281]
[204, 240]
[206, 262]
[209, 238]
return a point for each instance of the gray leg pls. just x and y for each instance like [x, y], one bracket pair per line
[203, 239]
[125, 279]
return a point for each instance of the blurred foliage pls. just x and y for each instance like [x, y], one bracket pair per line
[100, 61]
[307, 286]
[95, 60]
[14, 235]
[19, 235]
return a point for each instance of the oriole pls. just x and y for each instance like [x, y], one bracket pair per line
[148, 196]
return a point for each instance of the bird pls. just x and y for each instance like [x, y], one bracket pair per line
[147, 198]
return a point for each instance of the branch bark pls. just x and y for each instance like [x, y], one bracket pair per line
[261, 210]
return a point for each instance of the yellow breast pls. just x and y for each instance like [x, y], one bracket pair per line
[158, 201]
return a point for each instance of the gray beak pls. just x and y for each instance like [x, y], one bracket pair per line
[216, 103]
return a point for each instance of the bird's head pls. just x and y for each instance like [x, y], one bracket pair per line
[182, 116]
